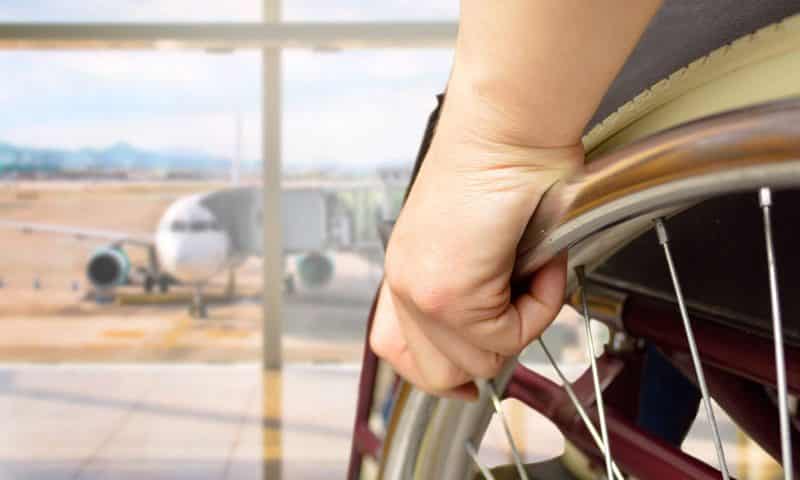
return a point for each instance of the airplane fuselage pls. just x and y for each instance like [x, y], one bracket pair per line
[191, 244]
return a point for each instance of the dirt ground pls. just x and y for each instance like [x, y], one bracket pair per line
[46, 314]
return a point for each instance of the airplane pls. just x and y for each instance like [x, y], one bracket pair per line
[200, 235]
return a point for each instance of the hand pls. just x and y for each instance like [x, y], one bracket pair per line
[445, 314]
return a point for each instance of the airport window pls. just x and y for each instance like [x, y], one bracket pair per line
[131, 11]
[110, 140]
[359, 11]
[353, 121]
[104, 143]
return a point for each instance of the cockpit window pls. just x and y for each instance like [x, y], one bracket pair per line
[195, 226]
[178, 226]
[198, 225]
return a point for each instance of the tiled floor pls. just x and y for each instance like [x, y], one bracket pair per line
[212, 422]
[193, 422]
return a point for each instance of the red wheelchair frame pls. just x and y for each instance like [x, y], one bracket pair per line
[735, 381]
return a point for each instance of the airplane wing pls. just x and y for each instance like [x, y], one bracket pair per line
[142, 240]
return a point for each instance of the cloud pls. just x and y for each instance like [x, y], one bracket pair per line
[359, 128]
[129, 10]
[215, 10]
[350, 107]
[361, 10]
[211, 132]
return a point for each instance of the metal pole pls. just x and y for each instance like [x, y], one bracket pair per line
[272, 278]
[271, 158]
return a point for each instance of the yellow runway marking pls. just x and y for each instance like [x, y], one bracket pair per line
[272, 438]
[171, 337]
[227, 333]
[124, 334]
[171, 298]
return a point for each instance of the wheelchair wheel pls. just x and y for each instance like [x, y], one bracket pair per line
[681, 238]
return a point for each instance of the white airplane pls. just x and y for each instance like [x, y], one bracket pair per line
[197, 237]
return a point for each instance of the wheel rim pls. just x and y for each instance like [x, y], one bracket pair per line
[444, 429]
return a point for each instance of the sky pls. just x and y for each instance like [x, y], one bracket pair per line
[349, 108]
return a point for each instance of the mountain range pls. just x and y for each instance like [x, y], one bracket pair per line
[120, 156]
[124, 157]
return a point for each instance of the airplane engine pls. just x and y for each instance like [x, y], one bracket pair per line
[108, 267]
[315, 270]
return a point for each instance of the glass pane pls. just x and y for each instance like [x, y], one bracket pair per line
[104, 155]
[130, 11]
[353, 124]
[168, 101]
[100, 155]
[363, 10]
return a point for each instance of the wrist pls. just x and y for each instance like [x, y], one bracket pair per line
[467, 144]
[502, 109]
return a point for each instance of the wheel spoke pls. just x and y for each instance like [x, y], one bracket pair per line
[581, 411]
[487, 474]
[765, 200]
[598, 392]
[663, 239]
[499, 410]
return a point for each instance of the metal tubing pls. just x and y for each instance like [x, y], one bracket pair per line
[654, 320]
[747, 403]
[366, 390]
[587, 422]
[637, 452]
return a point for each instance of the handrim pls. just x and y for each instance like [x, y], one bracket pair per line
[560, 223]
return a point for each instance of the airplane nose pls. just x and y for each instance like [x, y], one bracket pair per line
[181, 252]
[186, 258]
[175, 255]
[196, 258]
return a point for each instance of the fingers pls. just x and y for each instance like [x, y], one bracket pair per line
[526, 318]
[443, 358]
[469, 358]
[388, 340]
[438, 370]
[540, 305]
[501, 334]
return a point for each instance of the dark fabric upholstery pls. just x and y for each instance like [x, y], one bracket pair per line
[682, 31]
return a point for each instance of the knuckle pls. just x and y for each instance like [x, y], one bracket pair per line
[434, 299]
[377, 344]
[384, 346]
[508, 351]
[445, 378]
[489, 367]
[425, 286]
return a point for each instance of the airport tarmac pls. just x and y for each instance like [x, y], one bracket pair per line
[46, 314]
[55, 324]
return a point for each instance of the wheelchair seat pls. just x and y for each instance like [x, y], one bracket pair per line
[683, 31]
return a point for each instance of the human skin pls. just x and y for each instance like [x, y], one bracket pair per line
[527, 76]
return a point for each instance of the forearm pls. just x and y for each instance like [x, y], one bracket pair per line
[532, 72]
